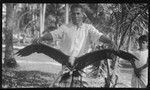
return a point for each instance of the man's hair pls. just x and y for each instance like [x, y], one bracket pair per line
[76, 6]
[143, 38]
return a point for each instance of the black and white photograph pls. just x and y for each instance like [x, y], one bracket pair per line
[75, 45]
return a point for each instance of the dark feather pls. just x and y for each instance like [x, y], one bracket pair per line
[76, 73]
[47, 50]
[65, 77]
[126, 55]
[89, 58]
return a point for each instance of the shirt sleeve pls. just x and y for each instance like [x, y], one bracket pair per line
[94, 34]
[58, 33]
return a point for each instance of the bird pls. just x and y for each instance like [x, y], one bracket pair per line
[80, 62]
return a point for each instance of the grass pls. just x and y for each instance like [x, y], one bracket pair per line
[26, 79]
[37, 79]
[29, 79]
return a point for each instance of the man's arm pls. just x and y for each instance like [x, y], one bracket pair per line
[52, 36]
[45, 37]
[136, 70]
[96, 35]
[143, 67]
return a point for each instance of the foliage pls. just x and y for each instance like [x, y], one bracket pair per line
[54, 16]
[113, 19]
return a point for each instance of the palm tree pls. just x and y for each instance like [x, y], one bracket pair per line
[9, 59]
[42, 17]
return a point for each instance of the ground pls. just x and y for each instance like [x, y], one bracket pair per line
[39, 70]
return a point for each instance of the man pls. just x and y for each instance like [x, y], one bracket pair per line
[76, 37]
[140, 75]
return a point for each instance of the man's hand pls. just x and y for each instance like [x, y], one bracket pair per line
[109, 42]
[36, 41]
[46, 37]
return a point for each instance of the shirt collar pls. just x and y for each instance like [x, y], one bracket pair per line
[76, 25]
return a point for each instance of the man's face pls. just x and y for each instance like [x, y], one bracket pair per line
[77, 15]
[143, 44]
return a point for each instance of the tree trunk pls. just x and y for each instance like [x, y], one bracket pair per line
[33, 18]
[67, 14]
[44, 11]
[9, 60]
[42, 18]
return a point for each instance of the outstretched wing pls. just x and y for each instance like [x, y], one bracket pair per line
[89, 58]
[47, 50]
[126, 55]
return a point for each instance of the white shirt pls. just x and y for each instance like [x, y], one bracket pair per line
[75, 41]
[142, 56]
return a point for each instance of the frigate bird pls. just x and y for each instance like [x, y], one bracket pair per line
[80, 62]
